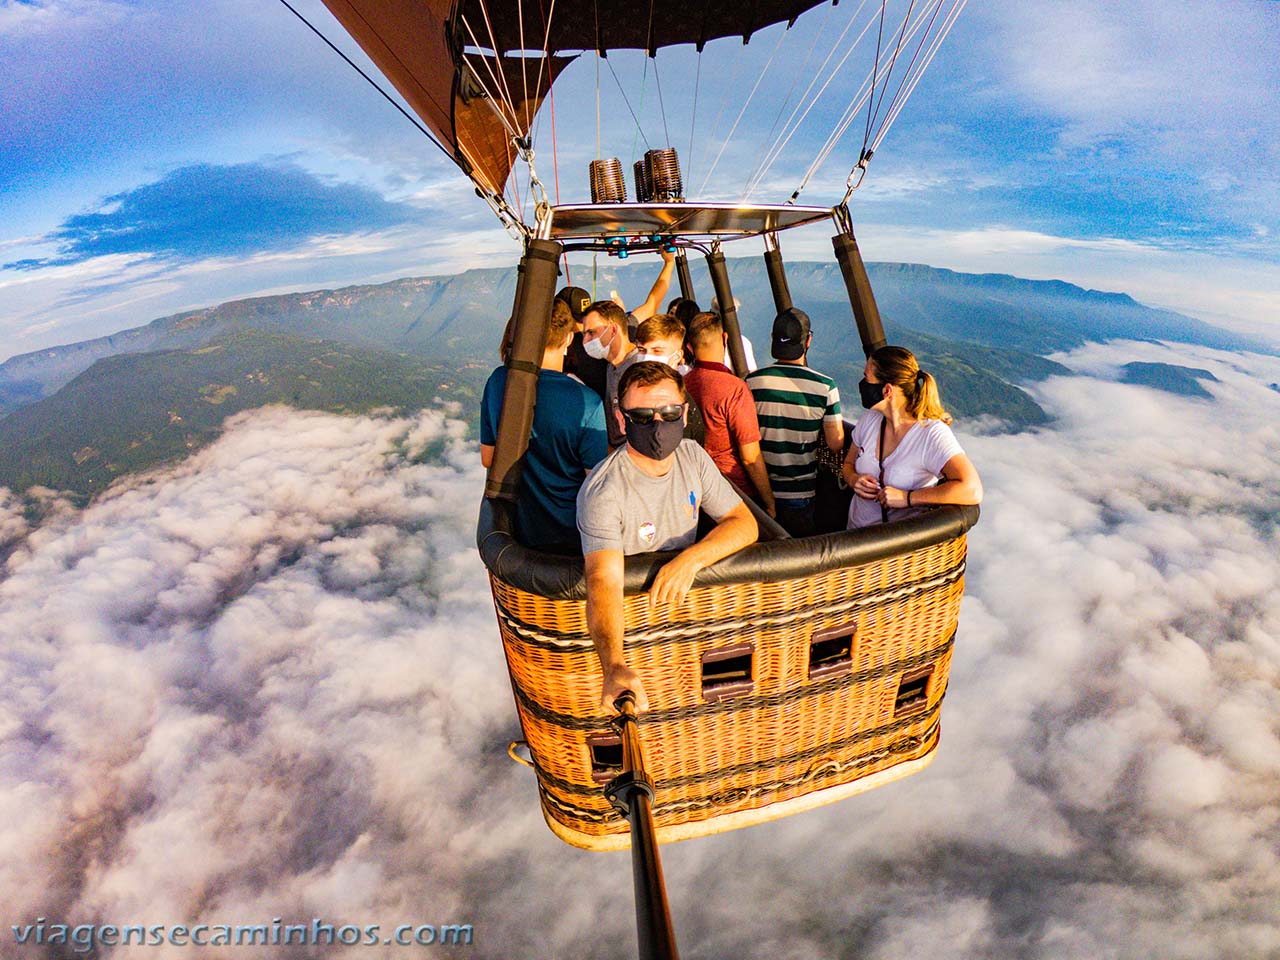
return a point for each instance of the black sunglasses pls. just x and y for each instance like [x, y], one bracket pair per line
[646, 415]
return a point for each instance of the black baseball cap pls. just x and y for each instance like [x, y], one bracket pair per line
[790, 334]
[577, 300]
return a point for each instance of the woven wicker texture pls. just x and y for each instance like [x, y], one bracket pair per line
[788, 734]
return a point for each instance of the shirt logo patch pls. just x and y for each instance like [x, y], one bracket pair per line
[693, 504]
[648, 532]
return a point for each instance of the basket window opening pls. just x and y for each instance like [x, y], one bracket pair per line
[831, 651]
[728, 672]
[913, 692]
[606, 756]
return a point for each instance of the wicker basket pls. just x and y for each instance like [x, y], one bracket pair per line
[766, 697]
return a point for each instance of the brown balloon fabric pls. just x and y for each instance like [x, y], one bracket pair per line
[418, 45]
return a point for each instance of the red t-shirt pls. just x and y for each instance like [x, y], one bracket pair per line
[730, 413]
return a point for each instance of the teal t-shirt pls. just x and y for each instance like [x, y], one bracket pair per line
[567, 440]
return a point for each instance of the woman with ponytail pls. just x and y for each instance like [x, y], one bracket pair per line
[904, 456]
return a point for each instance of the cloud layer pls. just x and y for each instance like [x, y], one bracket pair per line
[279, 659]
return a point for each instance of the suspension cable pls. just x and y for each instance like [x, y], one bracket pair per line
[725, 142]
[724, 102]
[693, 118]
[625, 100]
[795, 82]
[662, 107]
[644, 85]
[524, 69]
[893, 61]
[865, 94]
[373, 83]
[770, 153]
[508, 217]
[544, 64]
[934, 45]
[793, 125]
[494, 95]
[930, 42]
[555, 153]
[596, 6]
[497, 56]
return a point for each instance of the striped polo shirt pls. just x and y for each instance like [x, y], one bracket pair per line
[792, 403]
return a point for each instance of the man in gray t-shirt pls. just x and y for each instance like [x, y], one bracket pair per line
[643, 497]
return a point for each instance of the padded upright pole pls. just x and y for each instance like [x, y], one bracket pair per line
[535, 287]
[682, 272]
[777, 273]
[861, 298]
[631, 794]
[728, 312]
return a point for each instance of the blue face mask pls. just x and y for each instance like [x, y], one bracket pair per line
[871, 393]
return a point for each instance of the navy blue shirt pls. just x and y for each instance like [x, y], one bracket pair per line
[567, 440]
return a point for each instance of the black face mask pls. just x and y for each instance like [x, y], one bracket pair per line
[872, 393]
[657, 440]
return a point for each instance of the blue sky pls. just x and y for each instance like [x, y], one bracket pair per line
[161, 156]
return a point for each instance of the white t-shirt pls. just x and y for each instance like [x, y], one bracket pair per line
[915, 463]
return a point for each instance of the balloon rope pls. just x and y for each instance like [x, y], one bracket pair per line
[875, 72]
[795, 81]
[935, 43]
[644, 84]
[731, 86]
[627, 101]
[494, 94]
[738, 119]
[547, 17]
[596, 6]
[373, 83]
[657, 80]
[497, 58]
[524, 69]
[697, 80]
[906, 87]
[555, 159]
[793, 122]
[893, 62]
[865, 94]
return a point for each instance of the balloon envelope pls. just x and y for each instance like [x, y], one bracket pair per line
[443, 55]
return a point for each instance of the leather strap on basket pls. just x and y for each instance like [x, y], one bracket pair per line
[884, 510]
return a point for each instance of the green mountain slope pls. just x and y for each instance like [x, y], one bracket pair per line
[460, 318]
[131, 412]
[81, 415]
[974, 381]
[1170, 377]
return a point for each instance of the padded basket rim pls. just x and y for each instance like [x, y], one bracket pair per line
[558, 577]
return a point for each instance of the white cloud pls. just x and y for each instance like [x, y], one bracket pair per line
[51, 18]
[1235, 291]
[72, 302]
[279, 658]
[1147, 66]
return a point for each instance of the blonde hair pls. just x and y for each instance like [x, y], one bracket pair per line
[898, 366]
[661, 326]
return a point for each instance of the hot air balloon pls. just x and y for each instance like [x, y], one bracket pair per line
[800, 670]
